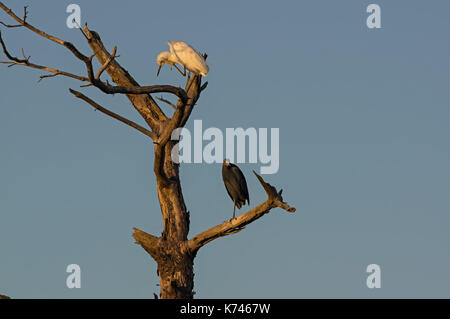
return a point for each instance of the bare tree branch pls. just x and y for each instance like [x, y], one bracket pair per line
[27, 63]
[114, 115]
[144, 104]
[23, 23]
[45, 76]
[236, 225]
[193, 92]
[132, 86]
[149, 242]
[203, 87]
[139, 89]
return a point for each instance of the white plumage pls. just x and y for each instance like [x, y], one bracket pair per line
[186, 56]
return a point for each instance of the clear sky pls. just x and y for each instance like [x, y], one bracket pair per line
[364, 150]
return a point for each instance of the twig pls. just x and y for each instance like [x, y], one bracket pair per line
[166, 101]
[26, 58]
[204, 86]
[81, 29]
[106, 64]
[48, 76]
[24, 19]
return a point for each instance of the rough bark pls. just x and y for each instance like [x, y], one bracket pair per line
[173, 251]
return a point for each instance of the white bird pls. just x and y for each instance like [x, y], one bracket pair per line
[186, 56]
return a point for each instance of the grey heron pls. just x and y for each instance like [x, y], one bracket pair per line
[235, 184]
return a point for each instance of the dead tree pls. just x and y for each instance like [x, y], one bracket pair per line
[173, 251]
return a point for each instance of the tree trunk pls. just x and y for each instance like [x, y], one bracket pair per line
[175, 262]
[176, 272]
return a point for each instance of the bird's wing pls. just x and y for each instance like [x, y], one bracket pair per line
[180, 49]
[188, 56]
[242, 182]
[173, 46]
[179, 45]
[227, 186]
[229, 181]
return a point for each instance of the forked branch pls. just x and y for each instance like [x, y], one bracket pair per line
[24, 19]
[26, 62]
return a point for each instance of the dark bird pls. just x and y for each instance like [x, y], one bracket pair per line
[235, 184]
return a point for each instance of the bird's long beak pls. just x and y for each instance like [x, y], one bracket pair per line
[159, 69]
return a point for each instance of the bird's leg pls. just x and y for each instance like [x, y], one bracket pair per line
[182, 73]
[234, 209]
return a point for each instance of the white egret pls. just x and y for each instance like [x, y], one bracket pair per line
[186, 56]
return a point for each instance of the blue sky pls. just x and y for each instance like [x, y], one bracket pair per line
[363, 118]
